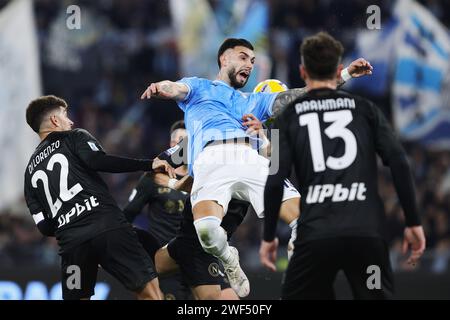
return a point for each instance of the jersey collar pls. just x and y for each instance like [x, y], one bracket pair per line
[223, 83]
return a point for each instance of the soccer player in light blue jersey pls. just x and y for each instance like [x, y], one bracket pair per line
[221, 158]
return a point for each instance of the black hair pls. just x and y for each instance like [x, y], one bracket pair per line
[230, 43]
[39, 108]
[321, 55]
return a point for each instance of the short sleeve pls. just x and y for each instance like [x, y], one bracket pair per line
[260, 105]
[193, 84]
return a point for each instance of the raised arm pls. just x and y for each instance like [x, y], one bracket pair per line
[89, 150]
[166, 90]
[358, 68]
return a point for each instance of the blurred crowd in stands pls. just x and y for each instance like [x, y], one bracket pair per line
[126, 44]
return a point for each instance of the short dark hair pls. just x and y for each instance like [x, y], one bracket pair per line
[321, 55]
[177, 125]
[40, 107]
[230, 43]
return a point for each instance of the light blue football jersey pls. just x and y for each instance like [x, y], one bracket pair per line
[213, 110]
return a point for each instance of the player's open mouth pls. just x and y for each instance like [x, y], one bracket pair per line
[244, 74]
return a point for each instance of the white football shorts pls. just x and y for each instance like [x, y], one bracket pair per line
[226, 171]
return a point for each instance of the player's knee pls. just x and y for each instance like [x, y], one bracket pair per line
[212, 293]
[159, 262]
[209, 232]
[228, 294]
[151, 291]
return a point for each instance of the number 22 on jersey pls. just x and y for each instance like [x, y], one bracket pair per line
[65, 194]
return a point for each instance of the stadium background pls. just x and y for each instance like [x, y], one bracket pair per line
[123, 45]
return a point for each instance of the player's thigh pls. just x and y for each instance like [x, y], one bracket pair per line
[148, 241]
[211, 190]
[122, 255]
[211, 194]
[290, 210]
[150, 291]
[79, 268]
[164, 263]
[368, 269]
[290, 206]
[254, 183]
[197, 267]
[311, 272]
[206, 292]
[174, 287]
[228, 294]
[207, 208]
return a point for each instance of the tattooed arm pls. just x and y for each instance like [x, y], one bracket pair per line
[358, 68]
[166, 90]
[284, 98]
[340, 83]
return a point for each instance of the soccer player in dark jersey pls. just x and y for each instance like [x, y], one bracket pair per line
[203, 272]
[168, 212]
[332, 139]
[185, 250]
[165, 208]
[213, 110]
[165, 203]
[69, 200]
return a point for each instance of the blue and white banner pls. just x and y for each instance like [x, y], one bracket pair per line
[410, 55]
[378, 47]
[421, 82]
[201, 27]
[19, 83]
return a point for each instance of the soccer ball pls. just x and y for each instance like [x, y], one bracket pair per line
[270, 86]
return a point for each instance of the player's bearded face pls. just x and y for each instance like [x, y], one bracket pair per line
[239, 77]
[241, 66]
[236, 79]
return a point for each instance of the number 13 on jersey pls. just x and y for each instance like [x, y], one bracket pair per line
[337, 129]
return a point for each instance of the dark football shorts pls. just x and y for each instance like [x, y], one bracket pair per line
[175, 287]
[197, 267]
[117, 251]
[313, 268]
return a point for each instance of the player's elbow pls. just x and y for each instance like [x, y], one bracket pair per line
[399, 163]
[95, 161]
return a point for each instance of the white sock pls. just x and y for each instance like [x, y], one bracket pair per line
[213, 237]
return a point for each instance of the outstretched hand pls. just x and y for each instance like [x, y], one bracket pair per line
[155, 90]
[166, 90]
[360, 67]
[163, 166]
[268, 254]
